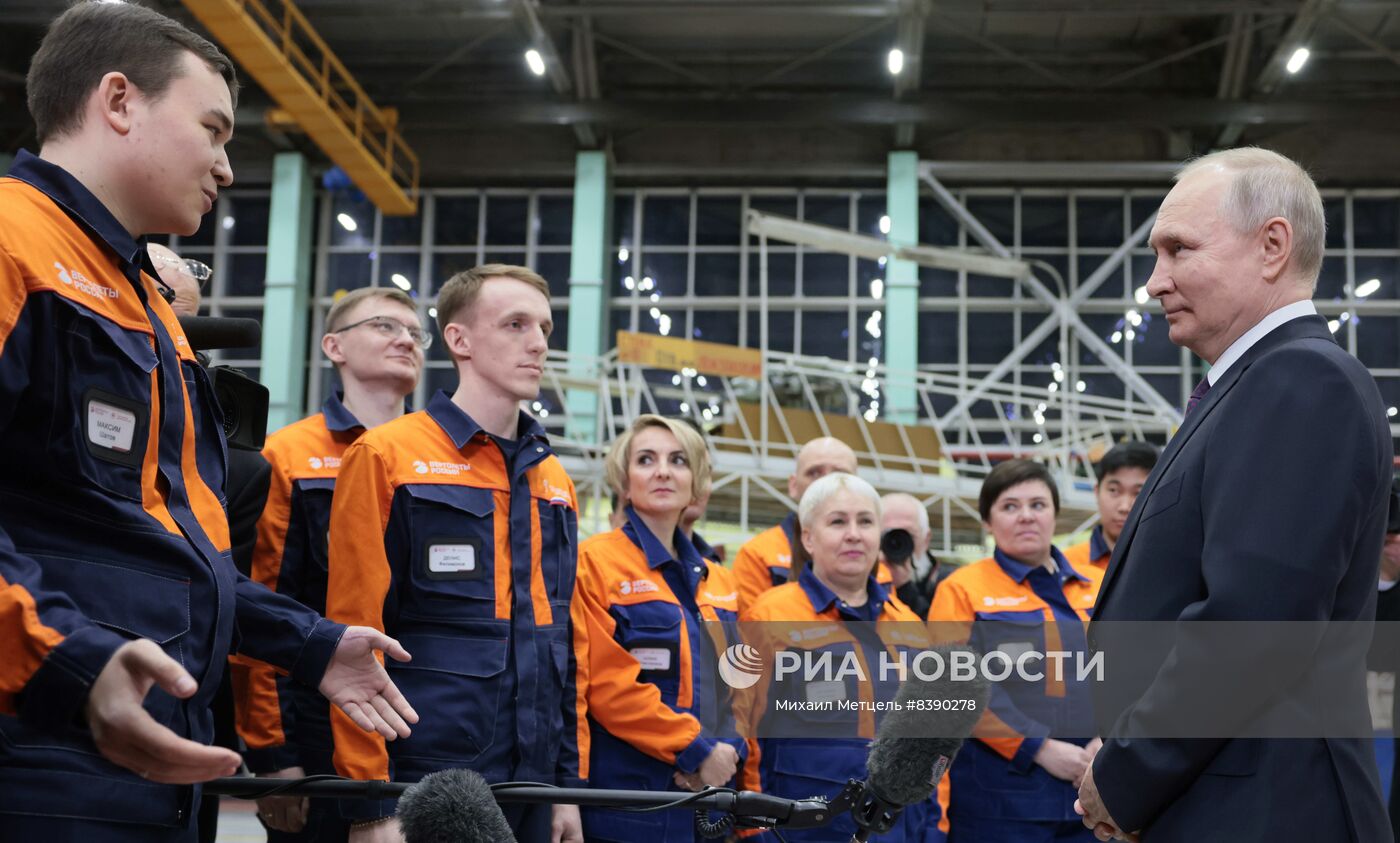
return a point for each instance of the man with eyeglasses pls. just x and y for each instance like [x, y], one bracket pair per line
[183, 277]
[374, 338]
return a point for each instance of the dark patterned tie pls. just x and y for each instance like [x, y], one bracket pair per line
[1196, 395]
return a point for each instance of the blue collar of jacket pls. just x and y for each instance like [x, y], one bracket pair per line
[85, 209]
[703, 547]
[461, 427]
[338, 416]
[656, 553]
[1018, 571]
[1098, 545]
[824, 598]
[790, 529]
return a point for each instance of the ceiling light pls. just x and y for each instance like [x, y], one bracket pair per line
[347, 222]
[1140, 295]
[432, 313]
[877, 288]
[535, 61]
[896, 61]
[1391, 412]
[885, 224]
[1297, 60]
[401, 282]
[1333, 325]
[1368, 288]
[623, 255]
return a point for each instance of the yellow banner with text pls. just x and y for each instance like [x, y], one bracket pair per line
[707, 358]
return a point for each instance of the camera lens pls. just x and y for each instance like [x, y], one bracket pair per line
[897, 545]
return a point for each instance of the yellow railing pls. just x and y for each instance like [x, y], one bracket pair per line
[275, 43]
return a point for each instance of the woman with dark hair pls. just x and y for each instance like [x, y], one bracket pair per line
[1016, 780]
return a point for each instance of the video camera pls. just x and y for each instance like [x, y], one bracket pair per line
[897, 545]
[244, 401]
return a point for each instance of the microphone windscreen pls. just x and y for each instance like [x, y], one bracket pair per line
[206, 333]
[452, 806]
[919, 737]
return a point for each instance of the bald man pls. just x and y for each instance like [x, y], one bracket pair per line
[766, 560]
[173, 272]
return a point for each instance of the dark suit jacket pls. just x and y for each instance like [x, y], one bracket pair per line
[1268, 504]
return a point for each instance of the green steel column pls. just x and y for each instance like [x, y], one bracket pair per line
[902, 290]
[289, 247]
[588, 274]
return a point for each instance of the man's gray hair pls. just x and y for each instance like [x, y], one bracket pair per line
[820, 491]
[919, 508]
[1268, 185]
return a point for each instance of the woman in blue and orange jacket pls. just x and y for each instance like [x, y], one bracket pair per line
[657, 614]
[819, 738]
[1016, 781]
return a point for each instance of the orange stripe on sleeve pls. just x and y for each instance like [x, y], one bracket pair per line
[625, 706]
[358, 582]
[24, 642]
[13, 295]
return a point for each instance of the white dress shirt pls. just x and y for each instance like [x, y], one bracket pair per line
[1287, 313]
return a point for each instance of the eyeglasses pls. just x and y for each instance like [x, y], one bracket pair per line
[390, 328]
[191, 267]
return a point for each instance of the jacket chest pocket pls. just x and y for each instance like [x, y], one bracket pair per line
[312, 509]
[1013, 636]
[453, 563]
[651, 634]
[102, 385]
[558, 548]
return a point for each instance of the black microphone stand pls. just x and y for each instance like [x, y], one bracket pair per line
[872, 814]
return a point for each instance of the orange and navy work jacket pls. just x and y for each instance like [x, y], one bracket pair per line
[1095, 552]
[112, 509]
[815, 747]
[1025, 612]
[277, 718]
[464, 548]
[655, 626]
[765, 561]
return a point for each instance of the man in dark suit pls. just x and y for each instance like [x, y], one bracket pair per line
[1269, 504]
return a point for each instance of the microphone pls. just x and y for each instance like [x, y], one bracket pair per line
[205, 333]
[919, 738]
[452, 806]
[916, 743]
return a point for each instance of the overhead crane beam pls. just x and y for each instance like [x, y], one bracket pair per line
[276, 45]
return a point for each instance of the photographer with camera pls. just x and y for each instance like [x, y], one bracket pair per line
[904, 539]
